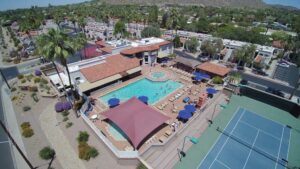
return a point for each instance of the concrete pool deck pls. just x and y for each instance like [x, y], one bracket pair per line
[168, 110]
[195, 155]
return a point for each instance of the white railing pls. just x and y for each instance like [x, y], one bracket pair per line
[118, 153]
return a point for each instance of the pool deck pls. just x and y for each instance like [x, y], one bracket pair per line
[171, 109]
[195, 154]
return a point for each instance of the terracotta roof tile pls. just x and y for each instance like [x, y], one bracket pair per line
[139, 49]
[216, 69]
[114, 65]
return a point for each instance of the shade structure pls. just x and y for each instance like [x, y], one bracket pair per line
[190, 108]
[144, 99]
[113, 102]
[197, 74]
[184, 114]
[211, 90]
[136, 119]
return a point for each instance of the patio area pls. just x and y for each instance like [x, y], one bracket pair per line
[169, 106]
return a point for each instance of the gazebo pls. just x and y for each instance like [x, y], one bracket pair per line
[136, 119]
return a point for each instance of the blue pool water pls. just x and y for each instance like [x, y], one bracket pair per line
[158, 74]
[144, 87]
[116, 132]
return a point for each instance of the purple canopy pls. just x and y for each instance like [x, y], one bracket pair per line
[37, 72]
[59, 107]
[67, 105]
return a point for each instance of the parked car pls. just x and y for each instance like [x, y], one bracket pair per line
[275, 91]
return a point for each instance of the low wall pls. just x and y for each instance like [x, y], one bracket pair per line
[279, 102]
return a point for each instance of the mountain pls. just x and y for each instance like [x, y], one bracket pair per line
[216, 3]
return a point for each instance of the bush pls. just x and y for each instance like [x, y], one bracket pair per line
[20, 76]
[25, 125]
[83, 137]
[43, 81]
[14, 98]
[37, 80]
[47, 153]
[65, 113]
[23, 80]
[33, 89]
[69, 124]
[141, 166]
[26, 108]
[27, 132]
[65, 119]
[34, 97]
[217, 80]
[13, 89]
[16, 61]
[86, 152]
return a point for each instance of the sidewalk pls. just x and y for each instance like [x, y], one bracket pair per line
[66, 155]
[12, 125]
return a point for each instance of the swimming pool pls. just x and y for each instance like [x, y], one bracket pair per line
[155, 91]
[158, 75]
[116, 132]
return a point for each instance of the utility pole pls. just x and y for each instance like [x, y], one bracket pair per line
[15, 144]
[4, 78]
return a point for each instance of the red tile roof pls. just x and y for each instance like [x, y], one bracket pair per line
[106, 49]
[278, 44]
[114, 65]
[147, 48]
[258, 59]
[215, 69]
[101, 43]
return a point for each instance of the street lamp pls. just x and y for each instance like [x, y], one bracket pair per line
[181, 153]
[212, 116]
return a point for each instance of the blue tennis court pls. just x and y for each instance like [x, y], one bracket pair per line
[249, 141]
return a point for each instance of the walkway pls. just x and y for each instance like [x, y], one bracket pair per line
[65, 153]
[165, 157]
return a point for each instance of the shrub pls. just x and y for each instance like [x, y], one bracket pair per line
[69, 124]
[43, 81]
[29, 77]
[83, 137]
[13, 89]
[14, 98]
[37, 80]
[37, 72]
[65, 119]
[86, 152]
[25, 125]
[23, 80]
[34, 97]
[20, 76]
[65, 113]
[59, 107]
[141, 166]
[27, 132]
[26, 108]
[16, 61]
[47, 153]
[33, 89]
[217, 80]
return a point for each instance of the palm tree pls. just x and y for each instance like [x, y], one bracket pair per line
[57, 45]
[245, 54]
[79, 43]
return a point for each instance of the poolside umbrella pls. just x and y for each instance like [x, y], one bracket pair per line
[184, 114]
[113, 102]
[206, 76]
[190, 108]
[198, 78]
[197, 74]
[144, 99]
[211, 90]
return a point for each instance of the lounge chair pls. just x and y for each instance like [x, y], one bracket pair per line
[168, 132]
[162, 139]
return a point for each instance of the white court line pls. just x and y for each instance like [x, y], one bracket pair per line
[267, 133]
[251, 150]
[287, 155]
[4, 142]
[279, 148]
[223, 164]
[227, 139]
[238, 108]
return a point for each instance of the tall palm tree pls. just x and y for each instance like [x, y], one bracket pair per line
[58, 46]
[79, 43]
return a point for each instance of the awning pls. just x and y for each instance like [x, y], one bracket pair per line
[88, 86]
[190, 108]
[184, 114]
[134, 70]
[211, 90]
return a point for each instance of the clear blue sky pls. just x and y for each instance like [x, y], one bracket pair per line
[14, 4]
[294, 3]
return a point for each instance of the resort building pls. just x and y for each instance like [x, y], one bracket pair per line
[149, 50]
[264, 55]
[233, 44]
[103, 71]
[213, 69]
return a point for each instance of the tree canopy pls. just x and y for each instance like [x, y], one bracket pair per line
[191, 45]
[151, 31]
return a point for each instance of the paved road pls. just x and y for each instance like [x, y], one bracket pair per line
[6, 160]
[269, 83]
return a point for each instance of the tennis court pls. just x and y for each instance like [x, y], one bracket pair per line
[249, 141]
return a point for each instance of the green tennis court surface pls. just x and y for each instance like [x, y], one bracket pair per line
[251, 135]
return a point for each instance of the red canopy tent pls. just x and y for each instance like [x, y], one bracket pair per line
[136, 119]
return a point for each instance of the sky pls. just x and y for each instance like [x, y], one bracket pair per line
[14, 4]
[294, 3]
